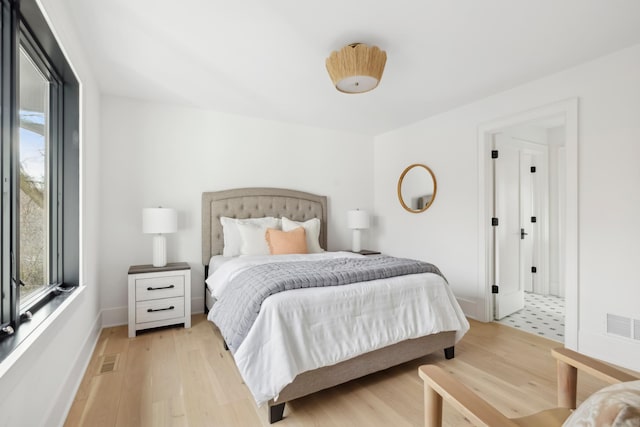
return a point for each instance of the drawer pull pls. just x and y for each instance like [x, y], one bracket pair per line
[161, 287]
[151, 310]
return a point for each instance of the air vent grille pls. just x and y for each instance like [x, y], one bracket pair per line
[109, 363]
[619, 325]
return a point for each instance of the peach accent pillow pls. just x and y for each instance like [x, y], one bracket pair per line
[287, 242]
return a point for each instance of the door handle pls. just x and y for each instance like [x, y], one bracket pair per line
[522, 233]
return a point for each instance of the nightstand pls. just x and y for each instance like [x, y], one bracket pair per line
[159, 296]
[366, 252]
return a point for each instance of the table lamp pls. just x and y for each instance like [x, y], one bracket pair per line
[357, 220]
[159, 221]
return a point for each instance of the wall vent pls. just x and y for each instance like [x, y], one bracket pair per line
[619, 325]
[636, 329]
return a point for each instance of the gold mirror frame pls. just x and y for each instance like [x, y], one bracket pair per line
[435, 187]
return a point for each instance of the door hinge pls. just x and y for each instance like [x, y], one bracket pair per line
[533, 169]
[494, 222]
[533, 219]
[534, 269]
[494, 289]
[494, 154]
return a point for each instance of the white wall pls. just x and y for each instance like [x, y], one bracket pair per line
[608, 151]
[39, 388]
[164, 155]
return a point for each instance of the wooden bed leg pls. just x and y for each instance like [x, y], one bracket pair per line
[449, 352]
[276, 412]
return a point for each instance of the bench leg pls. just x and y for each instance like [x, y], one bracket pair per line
[432, 408]
[567, 385]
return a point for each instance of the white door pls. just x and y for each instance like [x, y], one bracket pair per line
[528, 228]
[508, 271]
[535, 218]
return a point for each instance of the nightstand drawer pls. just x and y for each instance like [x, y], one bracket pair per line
[159, 296]
[159, 287]
[154, 310]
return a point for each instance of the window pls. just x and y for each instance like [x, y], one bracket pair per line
[34, 206]
[39, 165]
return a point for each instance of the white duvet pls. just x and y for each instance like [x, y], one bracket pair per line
[305, 329]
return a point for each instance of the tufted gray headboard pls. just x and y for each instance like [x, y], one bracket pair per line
[256, 203]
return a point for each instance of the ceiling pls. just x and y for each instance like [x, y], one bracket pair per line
[266, 59]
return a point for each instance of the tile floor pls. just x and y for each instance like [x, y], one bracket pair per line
[542, 315]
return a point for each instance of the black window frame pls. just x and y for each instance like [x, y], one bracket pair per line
[23, 24]
[32, 49]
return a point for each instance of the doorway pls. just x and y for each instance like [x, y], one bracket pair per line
[550, 206]
[527, 168]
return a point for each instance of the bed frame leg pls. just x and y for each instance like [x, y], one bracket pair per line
[226, 347]
[449, 352]
[206, 274]
[276, 412]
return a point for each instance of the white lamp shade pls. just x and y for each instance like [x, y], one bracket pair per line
[357, 220]
[159, 220]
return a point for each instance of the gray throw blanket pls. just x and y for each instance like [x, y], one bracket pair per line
[237, 309]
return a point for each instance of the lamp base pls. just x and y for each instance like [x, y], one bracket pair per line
[159, 250]
[355, 243]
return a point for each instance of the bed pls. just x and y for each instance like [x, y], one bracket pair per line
[301, 206]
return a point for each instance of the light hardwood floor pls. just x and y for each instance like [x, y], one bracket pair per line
[184, 377]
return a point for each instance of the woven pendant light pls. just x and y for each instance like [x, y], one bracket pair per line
[356, 68]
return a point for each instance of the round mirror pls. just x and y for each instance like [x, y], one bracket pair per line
[417, 188]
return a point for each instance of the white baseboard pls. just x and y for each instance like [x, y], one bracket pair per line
[197, 305]
[469, 307]
[612, 349]
[68, 390]
[115, 316]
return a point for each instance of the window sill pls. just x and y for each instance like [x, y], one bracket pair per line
[14, 346]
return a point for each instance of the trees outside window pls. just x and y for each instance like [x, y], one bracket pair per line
[34, 178]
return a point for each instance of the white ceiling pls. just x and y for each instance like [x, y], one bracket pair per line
[265, 59]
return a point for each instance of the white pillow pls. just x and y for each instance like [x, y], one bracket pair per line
[312, 230]
[254, 239]
[231, 234]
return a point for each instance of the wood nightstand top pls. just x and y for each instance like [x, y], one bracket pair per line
[148, 268]
[366, 252]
